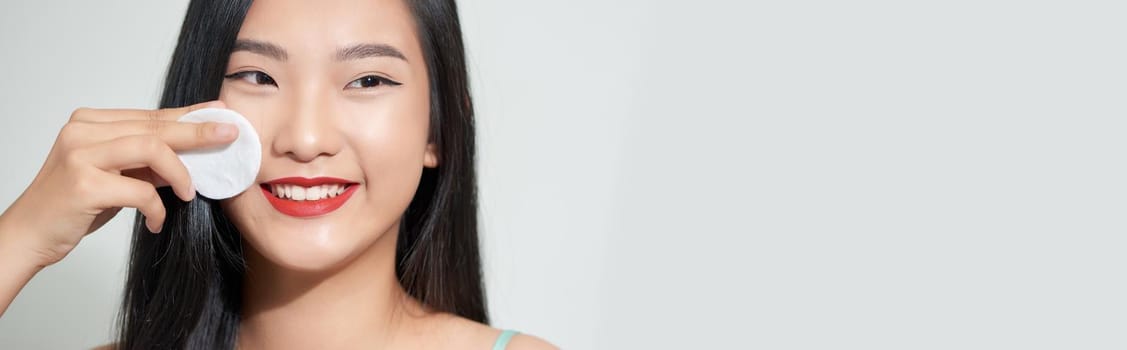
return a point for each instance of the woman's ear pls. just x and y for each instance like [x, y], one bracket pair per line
[430, 157]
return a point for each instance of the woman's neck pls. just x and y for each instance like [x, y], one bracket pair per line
[359, 303]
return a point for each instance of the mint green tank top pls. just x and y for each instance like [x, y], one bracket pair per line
[503, 339]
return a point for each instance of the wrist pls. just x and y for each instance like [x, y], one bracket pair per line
[16, 266]
[14, 252]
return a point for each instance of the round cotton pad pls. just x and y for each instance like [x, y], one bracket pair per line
[223, 172]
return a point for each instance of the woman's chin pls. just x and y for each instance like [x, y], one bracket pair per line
[305, 260]
[312, 247]
[308, 245]
[303, 251]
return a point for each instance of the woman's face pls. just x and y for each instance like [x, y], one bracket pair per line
[338, 93]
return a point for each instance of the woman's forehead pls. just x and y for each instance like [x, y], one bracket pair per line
[325, 27]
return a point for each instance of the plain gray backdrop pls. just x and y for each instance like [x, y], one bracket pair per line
[710, 174]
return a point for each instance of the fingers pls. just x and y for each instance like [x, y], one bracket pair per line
[114, 115]
[119, 191]
[142, 144]
[147, 175]
[141, 151]
[179, 136]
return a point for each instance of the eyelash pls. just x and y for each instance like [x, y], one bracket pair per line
[261, 78]
[372, 79]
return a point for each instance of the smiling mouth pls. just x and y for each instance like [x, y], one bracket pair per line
[303, 193]
[304, 197]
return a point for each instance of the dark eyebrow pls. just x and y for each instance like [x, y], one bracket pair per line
[369, 50]
[262, 48]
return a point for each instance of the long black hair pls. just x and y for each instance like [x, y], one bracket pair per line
[184, 286]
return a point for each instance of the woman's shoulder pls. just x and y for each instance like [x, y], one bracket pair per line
[529, 342]
[485, 334]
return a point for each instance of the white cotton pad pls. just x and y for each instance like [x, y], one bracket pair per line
[220, 173]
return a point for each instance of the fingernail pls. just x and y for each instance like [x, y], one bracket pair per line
[187, 196]
[224, 131]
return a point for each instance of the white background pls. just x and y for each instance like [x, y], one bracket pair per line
[729, 174]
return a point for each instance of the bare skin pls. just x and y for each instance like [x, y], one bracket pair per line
[322, 282]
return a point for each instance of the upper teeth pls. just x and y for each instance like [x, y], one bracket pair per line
[299, 193]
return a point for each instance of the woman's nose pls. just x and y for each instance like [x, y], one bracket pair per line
[307, 130]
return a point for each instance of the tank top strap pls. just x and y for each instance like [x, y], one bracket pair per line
[503, 339]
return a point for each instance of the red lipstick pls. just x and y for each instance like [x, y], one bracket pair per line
[308, 208]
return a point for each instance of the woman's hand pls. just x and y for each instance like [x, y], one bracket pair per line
[104, 160]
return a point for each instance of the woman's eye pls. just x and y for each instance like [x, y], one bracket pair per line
[253, 77]
[371, 81]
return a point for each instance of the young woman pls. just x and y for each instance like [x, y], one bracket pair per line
[364, 103]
